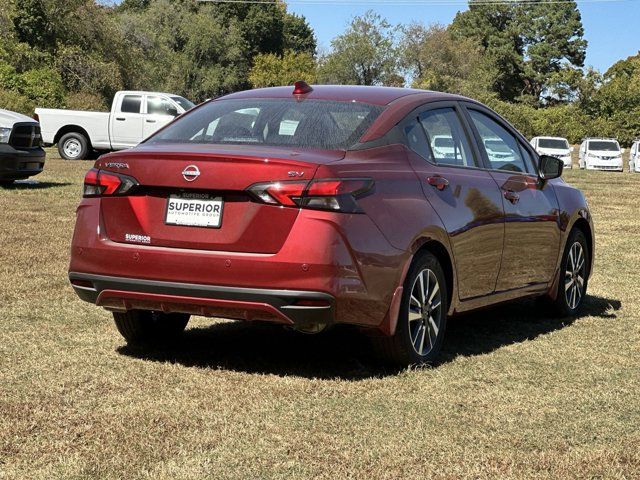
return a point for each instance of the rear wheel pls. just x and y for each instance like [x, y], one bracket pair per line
[574, 271]
[423, 316]
[73, 146]
[145, 327]
[6, 183]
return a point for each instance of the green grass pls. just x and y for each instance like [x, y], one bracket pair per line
[517, 395]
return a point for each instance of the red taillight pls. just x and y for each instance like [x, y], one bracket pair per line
[100, 182]
[332, 194]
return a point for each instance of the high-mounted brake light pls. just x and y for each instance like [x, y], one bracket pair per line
[100, 182]
[301, 88]
[333, 194]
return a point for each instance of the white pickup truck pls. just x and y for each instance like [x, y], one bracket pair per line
[134, 116]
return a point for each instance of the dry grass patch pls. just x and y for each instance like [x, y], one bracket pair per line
[518, 394]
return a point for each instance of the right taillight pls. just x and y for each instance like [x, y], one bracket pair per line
[333, 194]
[102, 183]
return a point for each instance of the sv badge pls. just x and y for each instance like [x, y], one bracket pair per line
[296, 174]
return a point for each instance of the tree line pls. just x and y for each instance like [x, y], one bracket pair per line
[525, 60]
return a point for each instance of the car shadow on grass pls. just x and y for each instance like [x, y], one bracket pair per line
[33, 185]
[344, 353]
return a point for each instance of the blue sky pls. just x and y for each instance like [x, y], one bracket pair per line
[612, 28]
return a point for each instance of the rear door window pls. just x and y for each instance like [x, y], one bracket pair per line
[446, 138]
[131, 104]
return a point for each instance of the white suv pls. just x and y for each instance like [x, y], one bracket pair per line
[555, 147]
[634, 157]
[601, 154]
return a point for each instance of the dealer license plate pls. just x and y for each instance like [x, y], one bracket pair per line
[194, 210]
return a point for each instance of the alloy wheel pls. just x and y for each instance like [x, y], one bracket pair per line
[575, 275]
[425, 312]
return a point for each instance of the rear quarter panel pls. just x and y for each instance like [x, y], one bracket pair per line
[398, 208]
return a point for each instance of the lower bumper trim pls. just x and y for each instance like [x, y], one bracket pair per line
[281, 306]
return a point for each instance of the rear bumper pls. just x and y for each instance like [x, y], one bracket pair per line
[300, 308]
[20, 164]
[341, 260]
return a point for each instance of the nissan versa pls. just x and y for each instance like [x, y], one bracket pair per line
[317, 206]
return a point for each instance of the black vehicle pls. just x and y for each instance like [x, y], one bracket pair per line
[21, 152]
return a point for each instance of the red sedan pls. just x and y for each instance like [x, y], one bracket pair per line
[389, 209]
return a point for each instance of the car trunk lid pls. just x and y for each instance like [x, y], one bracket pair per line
[216, 175]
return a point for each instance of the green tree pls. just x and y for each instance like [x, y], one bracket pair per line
[528, 43]
[364, 55]
[620, 90]
[33, 24]
[298, 35]
[270, 70]
[436, 60]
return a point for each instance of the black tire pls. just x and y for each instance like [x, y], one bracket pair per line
[73, 142]
[140, 327]
[574, 277]
[414, 321]
[6, 183]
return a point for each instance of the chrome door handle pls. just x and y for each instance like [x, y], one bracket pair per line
[512, 196]
[440, 183]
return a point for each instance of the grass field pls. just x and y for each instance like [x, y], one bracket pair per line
[517, 395]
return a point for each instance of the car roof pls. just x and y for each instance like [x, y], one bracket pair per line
[346, 93]
[551, 138]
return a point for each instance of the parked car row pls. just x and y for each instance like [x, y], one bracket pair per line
[594, 153]
[136, 115]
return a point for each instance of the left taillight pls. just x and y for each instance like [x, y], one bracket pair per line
[102, 183]
[332, 194]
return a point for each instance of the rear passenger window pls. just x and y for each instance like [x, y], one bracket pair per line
[501, 146]
[131, 104]
[446, 138]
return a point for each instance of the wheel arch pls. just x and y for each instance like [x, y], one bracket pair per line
[438, 250]
[442, 253]
[71, 129]
[583, 225]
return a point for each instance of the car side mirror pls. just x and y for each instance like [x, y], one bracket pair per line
[173, 111]
[550, 167]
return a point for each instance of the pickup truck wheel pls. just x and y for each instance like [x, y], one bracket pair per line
[73, 146]
[141, 327]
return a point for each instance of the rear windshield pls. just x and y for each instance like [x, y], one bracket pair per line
[273, 122]
[554, 143]
[604, 146]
